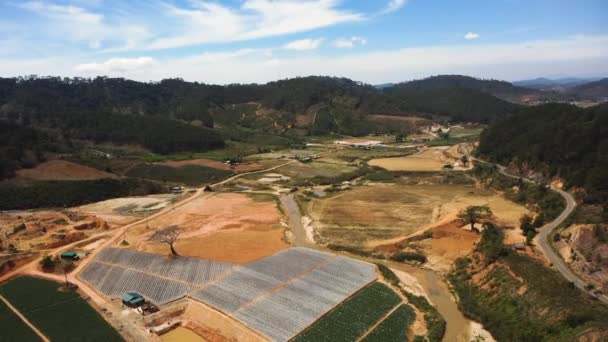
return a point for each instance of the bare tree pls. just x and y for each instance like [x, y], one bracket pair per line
[167, 235]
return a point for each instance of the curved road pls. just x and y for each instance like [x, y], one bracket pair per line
[544, 234]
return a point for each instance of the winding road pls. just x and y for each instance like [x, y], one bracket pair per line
[542, 239]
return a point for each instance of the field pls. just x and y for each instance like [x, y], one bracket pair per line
[351, 319]
[431, 159]
[18, 330]
[62, 170]
[214, 164]
[123, 210]
[53, 311]
[189, 174]
[372, 214]
[394, 327]
[230, 227]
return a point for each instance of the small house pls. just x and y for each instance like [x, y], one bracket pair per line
[176, 189]
[69, 255]
[133, 299]
[448, 167]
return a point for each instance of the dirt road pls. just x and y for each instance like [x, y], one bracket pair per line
[545, 233]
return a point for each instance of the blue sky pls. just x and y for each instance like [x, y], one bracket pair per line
[242, 41]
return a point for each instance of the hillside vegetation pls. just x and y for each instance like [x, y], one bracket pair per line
[518, 299]
[556, 140]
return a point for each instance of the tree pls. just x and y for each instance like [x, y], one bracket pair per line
[399, 138]
[525, 224]
[167, 235]
[530, 236]
[465, 160]
[66, 266]
[47, 262]
[475, 214]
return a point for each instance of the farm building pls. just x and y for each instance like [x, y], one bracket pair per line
[69, 255]
[132, 299]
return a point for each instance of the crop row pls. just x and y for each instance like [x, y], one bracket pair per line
[351, 319]
[394, 327]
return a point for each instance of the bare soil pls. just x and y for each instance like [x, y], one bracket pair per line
[62, 170]
[222, 226]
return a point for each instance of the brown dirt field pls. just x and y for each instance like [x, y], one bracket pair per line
[223, 226]
[216, 164]
[449, 243]
[181, 334]
[429, 160]
[382, 213]
[62, 170]
[233, 245]
[224, 326]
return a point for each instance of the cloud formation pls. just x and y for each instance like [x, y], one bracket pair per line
[471, 36]
[116, 66]
[393, 6]
[304, 44]
[349, 43]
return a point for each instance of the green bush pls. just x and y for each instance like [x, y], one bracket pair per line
[409, 256]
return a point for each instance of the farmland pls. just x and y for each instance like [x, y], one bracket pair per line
[188, 174]
[432, 159]
[351, 319]
[394, 327]
[52, 310]
[18, 331]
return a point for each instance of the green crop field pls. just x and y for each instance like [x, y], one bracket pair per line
[61, 316]
[13, 328]
[394, 327]
[188, 174]
[351, 319]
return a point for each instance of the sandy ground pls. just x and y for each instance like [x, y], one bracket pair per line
[431, 159]
[478, 334]
[181, 334]
[216, 164]
[223, 325]
[221, 226]
[62, 170]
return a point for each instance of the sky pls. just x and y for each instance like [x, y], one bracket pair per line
[256, 41]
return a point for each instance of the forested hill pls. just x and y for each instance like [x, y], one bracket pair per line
[493, 87]
[458, 103]
[558, 140]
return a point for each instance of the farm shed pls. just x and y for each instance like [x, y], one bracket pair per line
[69, 255]
[132, 299]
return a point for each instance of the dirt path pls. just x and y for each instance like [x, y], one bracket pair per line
[379, 322]
[25, 320]
[295, 221]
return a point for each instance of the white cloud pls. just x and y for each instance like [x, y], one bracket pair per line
[349, 43]
[78, 24]
[116, 66]
[304, 44]
[471, 36]
[211, 22]
[581, 56]
[393, 5]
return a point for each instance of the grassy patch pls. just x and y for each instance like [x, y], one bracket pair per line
[394, 327]
[61, 316]
[188, 174]
[351, 319]
[13, 328]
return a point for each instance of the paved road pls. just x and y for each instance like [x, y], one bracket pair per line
[545, 233]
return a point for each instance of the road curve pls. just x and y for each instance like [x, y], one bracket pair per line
[542, 239]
